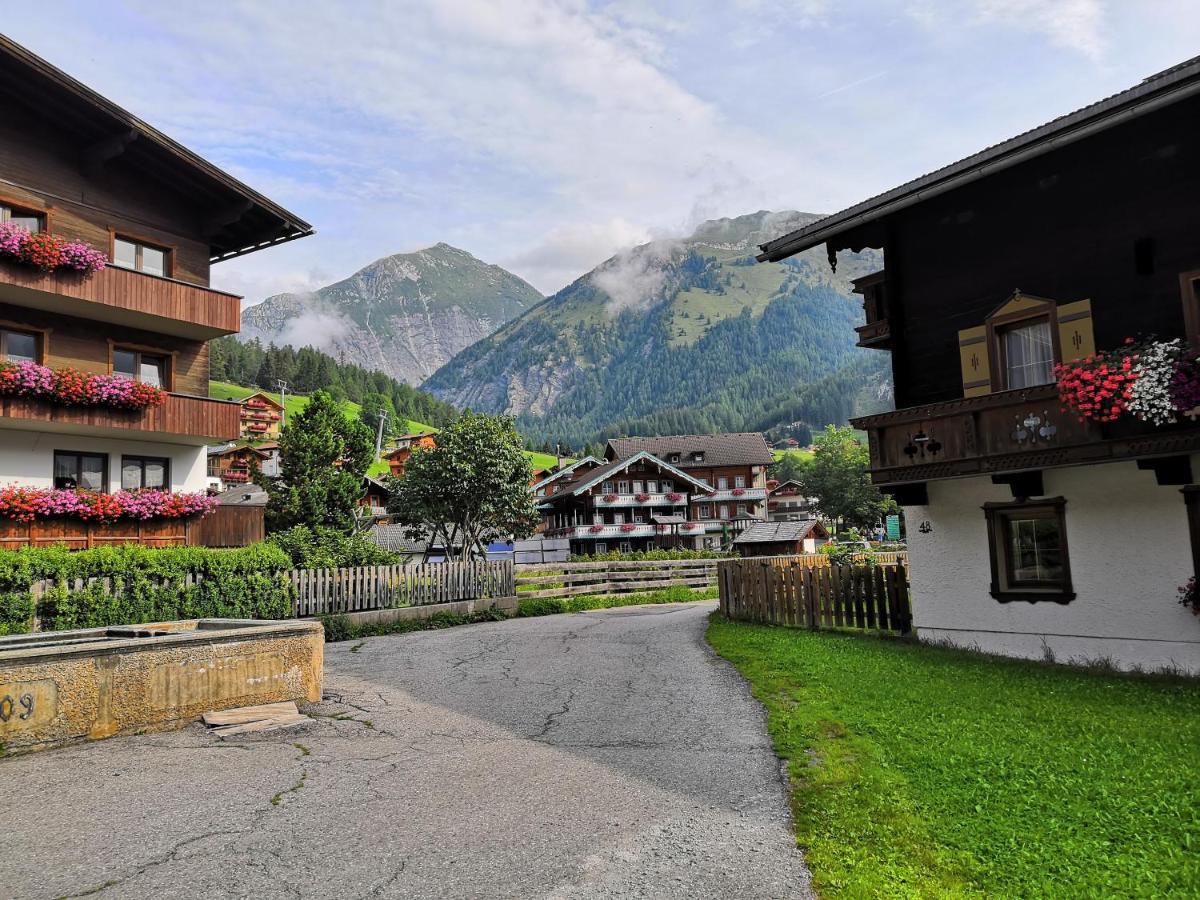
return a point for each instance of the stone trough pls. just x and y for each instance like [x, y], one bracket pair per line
[66, 686]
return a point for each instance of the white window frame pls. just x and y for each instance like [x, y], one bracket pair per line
[739, 481]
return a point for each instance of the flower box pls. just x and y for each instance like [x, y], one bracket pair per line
[48, 252]
[641, 498]
[610, 498]
[70, 387]
[689, 526]
[738, 492]
[674, 496]
[1152, 381]
[595, 529]
[628, 527]
[25, 504]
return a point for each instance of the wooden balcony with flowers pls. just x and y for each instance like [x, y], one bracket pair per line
[1139, 402]
[42, 271]
[670, 498]
[69, 401]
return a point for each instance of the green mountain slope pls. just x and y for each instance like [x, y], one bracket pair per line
[405, 314]
[682, 336]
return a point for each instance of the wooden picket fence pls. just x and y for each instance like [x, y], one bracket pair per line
[358, 588]
[821, 560]
[784, 591]
[613, 577]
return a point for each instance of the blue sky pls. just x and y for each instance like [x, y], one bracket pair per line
[544, 136]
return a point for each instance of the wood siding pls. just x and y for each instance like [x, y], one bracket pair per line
[230, 526]
[1061, 226]
[85, 345]
[40, 165]
[76, 535]
[200, 418]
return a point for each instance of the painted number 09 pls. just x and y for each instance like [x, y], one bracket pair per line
[8, 706]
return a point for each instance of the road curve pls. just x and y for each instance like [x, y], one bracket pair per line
[603, 754]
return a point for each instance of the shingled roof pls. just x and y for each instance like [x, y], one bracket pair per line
[780, 532]
[746, 448]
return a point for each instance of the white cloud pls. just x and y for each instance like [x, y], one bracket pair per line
[566, 252]
[635, 278]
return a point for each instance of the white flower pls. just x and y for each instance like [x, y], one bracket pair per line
[1150, 395]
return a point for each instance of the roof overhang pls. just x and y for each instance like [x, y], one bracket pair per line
[236, 218]
[1156, 92]
[624, 464]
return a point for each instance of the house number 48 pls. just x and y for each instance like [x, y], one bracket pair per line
[8, 706]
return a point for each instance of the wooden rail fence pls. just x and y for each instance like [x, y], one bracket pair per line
[613, 577]
[783, 591]
[321, 591]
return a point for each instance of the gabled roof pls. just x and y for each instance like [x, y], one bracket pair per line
[234, 447]
[781, 532]
[239, 219]
[1159, 90]
[779, 487]
[596, 476]
[566, 470]
[262, 395]
[746, 448]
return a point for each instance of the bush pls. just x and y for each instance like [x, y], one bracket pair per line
[144, 585]
[549, 606]
[328, 548]
[640, 555]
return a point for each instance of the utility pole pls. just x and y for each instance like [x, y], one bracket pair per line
[283, 386]
[382, 414]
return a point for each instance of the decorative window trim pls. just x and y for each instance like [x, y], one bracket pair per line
[42, 335]
[997, 325]
[1000, 589]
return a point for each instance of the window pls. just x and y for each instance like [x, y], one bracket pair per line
[639, 516]
[739, 481]
[741, 510]
[698, 456]
[131, 254]
[150, 368]
[597, 518]
[722, 483]
[651, 487]
[26, 218]
[622, 487]
[214, 467]
[87, 471]
[18, 346]
[674, 457]
[601, 547]
[667, 486]
[626, 547]
[618, 518]
[139, 472]
[723, 511]
[1028, 354]
[704, 511]
[1028, 544]
[637, 487]
[606, 487]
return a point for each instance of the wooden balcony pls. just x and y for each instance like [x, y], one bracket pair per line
[734, 495]
[1009, 431]
[620, 500]
[876, 334]
[125, 297]
[183, 419]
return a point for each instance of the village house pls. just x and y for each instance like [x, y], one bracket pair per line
[787, 502]
[402, 449]
[1044, 524]
[76, 167]
[261, 417]
[687, 491]
[232, 464]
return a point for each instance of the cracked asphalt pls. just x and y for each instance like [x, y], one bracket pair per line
[601, 754]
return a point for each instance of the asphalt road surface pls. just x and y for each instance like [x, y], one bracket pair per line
[603, 754]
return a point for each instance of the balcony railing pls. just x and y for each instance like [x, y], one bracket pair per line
[632, 500]
[606, 532]
[735, 495]
[125, 297]
[1007, 431]
[183, 419]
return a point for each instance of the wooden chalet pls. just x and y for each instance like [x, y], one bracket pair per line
[781, 538]
[403, 447]
[687, 491]
[1047, 248]
[234, 463]
[788, 502]
[75, 165]
[261, 417]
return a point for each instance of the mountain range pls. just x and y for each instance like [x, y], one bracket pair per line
[405, 315]
[672, 336]
[676, 336]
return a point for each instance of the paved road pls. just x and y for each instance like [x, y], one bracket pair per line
[592, 755]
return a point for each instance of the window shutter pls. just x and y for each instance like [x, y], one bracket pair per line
[976, 367]
[1075, 337]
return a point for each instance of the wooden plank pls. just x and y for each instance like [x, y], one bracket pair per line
[261, 725]
[245, 714]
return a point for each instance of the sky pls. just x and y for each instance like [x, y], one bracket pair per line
[545, 135]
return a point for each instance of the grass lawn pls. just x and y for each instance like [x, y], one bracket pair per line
[921, 771]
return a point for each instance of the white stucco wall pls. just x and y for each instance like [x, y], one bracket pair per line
[27, 458]
[1129, 552]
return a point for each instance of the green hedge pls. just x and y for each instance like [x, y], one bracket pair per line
[549, 606]
[328, 548]
[147, 585]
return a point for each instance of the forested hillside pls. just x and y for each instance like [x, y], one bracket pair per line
[683, 337]
[306, 370]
